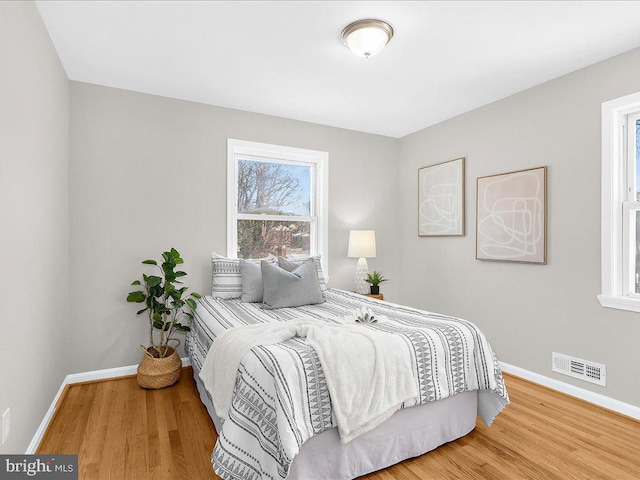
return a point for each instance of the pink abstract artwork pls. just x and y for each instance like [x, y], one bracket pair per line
[511, 216]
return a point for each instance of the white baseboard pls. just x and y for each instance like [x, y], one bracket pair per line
[35, 441]
[110, 373]
[581, 393]
[81, 378]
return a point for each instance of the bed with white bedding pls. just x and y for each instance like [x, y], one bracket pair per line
[280, 421]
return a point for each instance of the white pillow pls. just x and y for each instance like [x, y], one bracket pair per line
[290, 264]
[226, 276]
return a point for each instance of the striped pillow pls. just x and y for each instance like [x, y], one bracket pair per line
[226, 276]
[289, 264]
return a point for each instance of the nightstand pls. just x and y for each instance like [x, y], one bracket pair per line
[377, 296]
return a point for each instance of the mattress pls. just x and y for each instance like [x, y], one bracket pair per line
[281, 399]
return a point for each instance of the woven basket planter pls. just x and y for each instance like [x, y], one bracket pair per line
[157, 373]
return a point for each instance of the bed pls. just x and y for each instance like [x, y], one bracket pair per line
[280, 422]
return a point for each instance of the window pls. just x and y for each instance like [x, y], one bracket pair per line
[621, 203]
[632, 206]
[276, 201]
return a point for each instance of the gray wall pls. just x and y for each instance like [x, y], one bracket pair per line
[528, 311]
[34, 122]
[82, 214]
[148, 173]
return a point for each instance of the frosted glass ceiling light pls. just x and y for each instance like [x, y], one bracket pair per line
[367, 37]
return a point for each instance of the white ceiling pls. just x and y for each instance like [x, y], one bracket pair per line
[285, 58]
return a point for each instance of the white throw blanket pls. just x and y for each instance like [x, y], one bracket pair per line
[368, 372]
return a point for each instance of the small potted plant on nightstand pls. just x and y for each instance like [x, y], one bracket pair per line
[165, 306]
[375, 279]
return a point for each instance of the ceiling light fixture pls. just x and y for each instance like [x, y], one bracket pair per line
[367, 37]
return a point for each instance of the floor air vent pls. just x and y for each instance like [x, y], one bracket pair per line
[578, 368]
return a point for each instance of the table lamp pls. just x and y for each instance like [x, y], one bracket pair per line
[362, 245]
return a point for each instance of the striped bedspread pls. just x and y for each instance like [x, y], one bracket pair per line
[281, 398]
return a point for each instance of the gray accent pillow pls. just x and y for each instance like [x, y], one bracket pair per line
[251, 282]
[290, 289]
[290, 265]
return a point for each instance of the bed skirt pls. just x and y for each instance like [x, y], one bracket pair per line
[410, 432]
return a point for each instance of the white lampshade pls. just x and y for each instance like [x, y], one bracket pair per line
[367, 37]
[362, 244]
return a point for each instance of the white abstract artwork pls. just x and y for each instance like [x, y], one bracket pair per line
[511, 217]
[441, 199]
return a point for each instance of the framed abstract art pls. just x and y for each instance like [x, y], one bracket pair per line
[441, 199]
[511, 216]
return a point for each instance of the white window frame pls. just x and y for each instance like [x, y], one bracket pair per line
[319, 242]
[619, 204]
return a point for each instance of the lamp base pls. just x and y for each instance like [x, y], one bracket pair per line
[362, 269]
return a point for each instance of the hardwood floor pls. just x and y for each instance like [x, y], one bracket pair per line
[121, 431]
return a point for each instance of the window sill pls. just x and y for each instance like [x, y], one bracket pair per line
[621, 303]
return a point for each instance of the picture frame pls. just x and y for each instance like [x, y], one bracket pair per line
[511, 216]
[441, 199]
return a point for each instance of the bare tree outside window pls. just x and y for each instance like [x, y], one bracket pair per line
[274, 190]
[259, 238]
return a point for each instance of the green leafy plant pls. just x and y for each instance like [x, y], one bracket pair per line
[375, 278]
[166, 304]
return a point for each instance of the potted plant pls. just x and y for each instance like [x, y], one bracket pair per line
[166, 307]
[375, 279]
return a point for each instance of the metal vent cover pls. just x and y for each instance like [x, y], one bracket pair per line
[578, 368]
